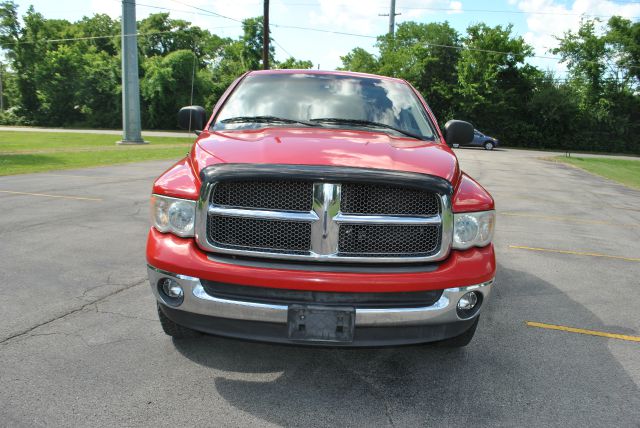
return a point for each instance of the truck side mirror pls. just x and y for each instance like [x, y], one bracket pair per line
[458, 132]
[192, 118]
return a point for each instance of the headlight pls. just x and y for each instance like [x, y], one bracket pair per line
[173, 215]
[473, 229]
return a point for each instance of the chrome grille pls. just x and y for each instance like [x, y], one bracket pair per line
[380, 199]
[388, 240]
[269, 195]
[252, 234]
[315, 220]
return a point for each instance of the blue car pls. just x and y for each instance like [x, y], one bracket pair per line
[481, 140]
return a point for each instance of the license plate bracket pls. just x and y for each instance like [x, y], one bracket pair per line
[321, 323]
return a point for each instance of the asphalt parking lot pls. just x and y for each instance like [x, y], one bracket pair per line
[80, 343]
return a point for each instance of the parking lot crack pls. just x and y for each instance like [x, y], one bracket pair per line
[100, 311]
[28, 331]
[374, 388]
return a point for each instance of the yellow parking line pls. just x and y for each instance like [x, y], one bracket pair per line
[583, 331]
[568, 219]
[575, 253]
[79, 198]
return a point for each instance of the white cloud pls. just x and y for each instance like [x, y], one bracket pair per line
[237, 9]
[345, 14]
[456, 6]
[364, 17]
[552, 19]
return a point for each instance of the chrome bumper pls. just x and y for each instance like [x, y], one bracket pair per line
[197, 301]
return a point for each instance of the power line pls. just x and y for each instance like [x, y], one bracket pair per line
[151, 6]
[343, 33]
[211, 13]
[283, 49]
[73, 39]
[463, 10]
[460, 48]
[207, 11]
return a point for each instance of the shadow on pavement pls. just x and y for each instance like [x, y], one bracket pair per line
[509, 375]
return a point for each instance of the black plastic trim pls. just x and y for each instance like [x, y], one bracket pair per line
[241, 171]
[280, 296]
[323, 266]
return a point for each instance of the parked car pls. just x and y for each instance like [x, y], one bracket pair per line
[482, 140]
[321, 208]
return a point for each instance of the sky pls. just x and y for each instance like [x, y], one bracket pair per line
[537, 21]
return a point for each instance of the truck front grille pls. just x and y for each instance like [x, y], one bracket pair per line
[267, 195]
[380, 199]
[388, 240]
[315, 220]
[244, 233]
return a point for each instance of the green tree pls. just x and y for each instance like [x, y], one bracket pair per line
[163, 35]
[252, 42]
[98, 26]
[292, 63]
[360, 60]
[494, 84]
[426, 55]
[25, 49]
[166, 87]
[587, 57]
[58, 99]
[600, 62]
[624, 36]
[99, 94]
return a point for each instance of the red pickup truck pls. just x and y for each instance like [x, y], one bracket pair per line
[321, 208]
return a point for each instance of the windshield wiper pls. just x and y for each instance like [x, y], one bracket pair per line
[367, 123]
[267, 119]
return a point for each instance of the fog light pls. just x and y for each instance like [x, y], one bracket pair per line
[468, 301]
[172, 290]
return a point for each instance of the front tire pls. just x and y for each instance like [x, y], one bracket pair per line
[488, 145]
[462, 340]
[174, 330]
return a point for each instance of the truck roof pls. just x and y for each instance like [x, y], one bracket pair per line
[328, 72]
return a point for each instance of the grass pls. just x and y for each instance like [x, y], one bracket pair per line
[26, 152]
[623, 171]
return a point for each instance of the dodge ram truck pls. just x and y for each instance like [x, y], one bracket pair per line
[321, 208]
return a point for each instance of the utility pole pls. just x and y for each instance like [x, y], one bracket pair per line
[265, 36]
[131, 132]
[1, 89]
[392, 17]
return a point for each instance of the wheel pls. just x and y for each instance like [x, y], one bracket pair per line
[488, 145]
[462, 340]
[174, 330]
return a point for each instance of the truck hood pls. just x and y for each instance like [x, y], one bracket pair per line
[328, 147]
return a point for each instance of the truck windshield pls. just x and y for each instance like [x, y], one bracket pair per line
[338, 101]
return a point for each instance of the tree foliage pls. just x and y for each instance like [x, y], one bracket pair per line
[482, 75]
[78, 82]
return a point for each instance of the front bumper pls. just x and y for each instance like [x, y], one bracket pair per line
[182, 255]
[264, 321]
